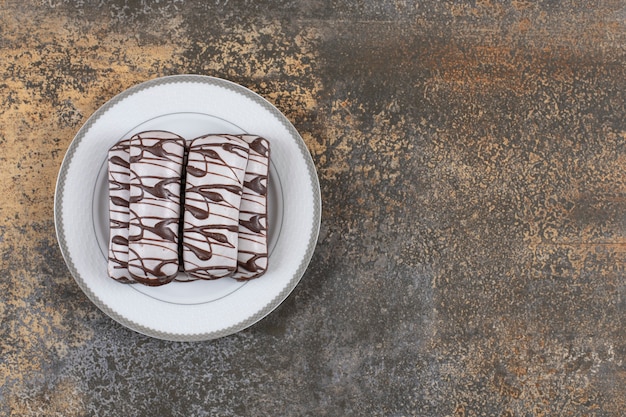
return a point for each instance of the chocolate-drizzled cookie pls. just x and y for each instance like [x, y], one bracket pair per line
[252, 254]
[119, 195]
[216, 166]
[156, 164]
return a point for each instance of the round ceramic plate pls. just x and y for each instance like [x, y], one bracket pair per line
[189, 105]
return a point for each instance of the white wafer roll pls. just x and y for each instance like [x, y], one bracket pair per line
[119, 195]
[216, 166]
[156, 163]
[252, 254]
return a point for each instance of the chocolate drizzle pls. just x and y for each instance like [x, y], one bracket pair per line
[161, 190]
[254, 223]
[122, 162]
[118, 201]
[257, 184]
[251, 265]
[259, 145]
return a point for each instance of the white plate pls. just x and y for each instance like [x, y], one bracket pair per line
[189, 105]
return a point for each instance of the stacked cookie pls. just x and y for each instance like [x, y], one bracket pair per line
[197, 207]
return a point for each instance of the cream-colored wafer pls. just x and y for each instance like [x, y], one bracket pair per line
[156, 163]
[119, 195]
[253, 226]
[216, 166]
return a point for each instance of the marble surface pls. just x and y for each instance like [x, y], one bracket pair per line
[472, 160]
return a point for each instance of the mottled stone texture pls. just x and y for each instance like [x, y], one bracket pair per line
[472, 159]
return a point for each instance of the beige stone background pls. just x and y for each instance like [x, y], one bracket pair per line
[472, 162]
